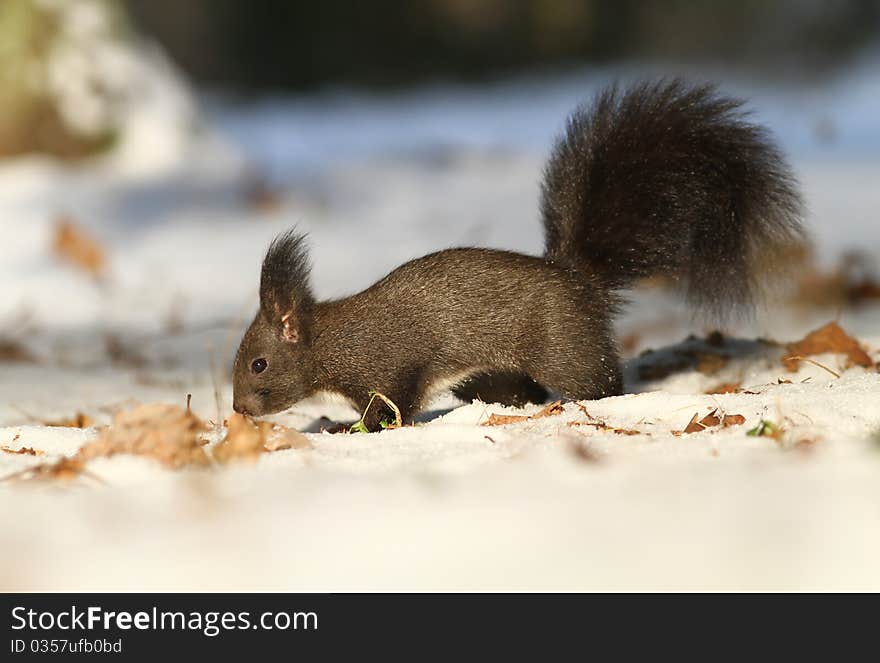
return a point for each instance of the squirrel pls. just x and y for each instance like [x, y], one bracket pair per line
[661, 178]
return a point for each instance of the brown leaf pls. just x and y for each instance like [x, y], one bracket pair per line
[78, 420]
[13, 351]
[549, 410]
[65, 469]
[74, 245]
[502, 419]
[167, 433]
[830, 338]
[733, 420]
[246, 439]
[693, 426]
[711, 420]
[281, 437]
[26, 451]
[725, 388]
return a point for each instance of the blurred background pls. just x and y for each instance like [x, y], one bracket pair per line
[151, 149]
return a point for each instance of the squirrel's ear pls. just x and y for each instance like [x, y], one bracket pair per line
[285, 297]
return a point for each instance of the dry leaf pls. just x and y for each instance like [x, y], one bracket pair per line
[711, 420]
[74, 245]
[25, 451]
[732, 420]
[13, 351]
[167, 433]
[79, 420]
[832, 339]
[281, 437]
[549, 410]
[65, 469]
[693, 426]
[725, 388]
[246, 439]
[502, 419]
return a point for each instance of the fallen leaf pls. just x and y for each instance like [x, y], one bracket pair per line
[26, 451]
[693, 426]
[549, 410]
[830, 338]
[246, 439]
[74, 245]
[732, 420]
[281, 437]
[78, 420]
[502, 419]
[13, 351]
[711, 420]
[167, 433]
[725, 388]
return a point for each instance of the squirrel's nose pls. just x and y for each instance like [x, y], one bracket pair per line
[241, 409]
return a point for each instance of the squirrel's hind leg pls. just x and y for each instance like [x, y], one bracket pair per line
[507, 388]
[589, 376]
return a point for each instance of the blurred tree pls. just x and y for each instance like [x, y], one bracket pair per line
[291, 44]
[52, 100]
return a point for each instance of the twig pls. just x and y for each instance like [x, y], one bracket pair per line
[814, 363]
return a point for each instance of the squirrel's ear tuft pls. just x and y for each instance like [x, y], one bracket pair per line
[285, 296]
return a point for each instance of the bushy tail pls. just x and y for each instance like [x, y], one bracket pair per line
[670, 179]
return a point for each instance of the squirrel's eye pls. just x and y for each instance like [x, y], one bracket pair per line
[259, 365]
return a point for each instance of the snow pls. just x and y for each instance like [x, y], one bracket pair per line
[448, 504]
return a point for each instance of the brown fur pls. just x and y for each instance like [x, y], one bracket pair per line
[662, 179]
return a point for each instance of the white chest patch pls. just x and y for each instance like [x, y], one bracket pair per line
[446, 383]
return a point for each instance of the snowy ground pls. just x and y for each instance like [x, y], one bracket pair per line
[559, 502]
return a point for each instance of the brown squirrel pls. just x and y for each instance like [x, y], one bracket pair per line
[663, 178]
